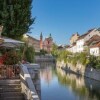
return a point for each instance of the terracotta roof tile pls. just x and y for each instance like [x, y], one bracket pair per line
[92, 39]
[82, 36]
[95, 45]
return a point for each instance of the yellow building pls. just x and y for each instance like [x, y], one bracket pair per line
[73, 38]
[34, 42]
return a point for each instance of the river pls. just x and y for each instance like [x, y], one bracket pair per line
[56, 84]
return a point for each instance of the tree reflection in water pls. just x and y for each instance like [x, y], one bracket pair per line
[88, 88]
[69, 86]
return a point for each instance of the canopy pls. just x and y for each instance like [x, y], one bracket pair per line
[10, 43]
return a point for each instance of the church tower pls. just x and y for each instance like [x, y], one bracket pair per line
[41, 41]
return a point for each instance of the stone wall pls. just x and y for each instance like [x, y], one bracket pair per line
[29, 88]
[92, 73]
[81, 69]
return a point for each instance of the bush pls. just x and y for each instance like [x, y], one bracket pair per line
[26, 53]
[94, 62]
[43, 52]
[29, 54]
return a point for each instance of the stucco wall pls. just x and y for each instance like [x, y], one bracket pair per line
[74, 38]
[80, 45]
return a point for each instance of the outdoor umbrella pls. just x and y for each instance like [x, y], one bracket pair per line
[10, 43]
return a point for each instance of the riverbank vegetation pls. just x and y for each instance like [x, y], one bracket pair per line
[76, 58]
[94, 62]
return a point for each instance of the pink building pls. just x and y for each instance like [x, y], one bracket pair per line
[46, 44]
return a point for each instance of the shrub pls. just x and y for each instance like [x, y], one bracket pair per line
[26, 53]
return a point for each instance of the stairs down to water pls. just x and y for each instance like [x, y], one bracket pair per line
[11, 90]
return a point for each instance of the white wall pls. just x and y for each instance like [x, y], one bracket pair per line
[74, 49]
[80, 45]
[95, 51]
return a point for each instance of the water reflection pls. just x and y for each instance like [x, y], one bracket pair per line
[87, 88]
[57, 84]
[46, 74]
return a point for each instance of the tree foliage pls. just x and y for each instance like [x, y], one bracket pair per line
[94, 62]
[79, 58]
[15, 17]
[27, 53]
[54, 51]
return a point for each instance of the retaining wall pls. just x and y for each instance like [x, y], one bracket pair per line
[81, 69]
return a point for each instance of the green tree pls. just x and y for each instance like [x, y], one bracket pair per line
[43, 52]
[54, 50]
[15, 17]
[26, 53]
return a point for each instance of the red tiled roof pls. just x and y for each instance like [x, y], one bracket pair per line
[82, 36]
[95, 45]
[92, 39]
[74, 44]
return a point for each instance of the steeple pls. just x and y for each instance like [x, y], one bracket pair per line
[41, 36]
[50, 35]
[41, 41]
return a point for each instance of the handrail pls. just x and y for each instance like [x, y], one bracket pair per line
[28, 87]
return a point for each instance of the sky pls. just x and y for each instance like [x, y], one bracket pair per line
[62, 18]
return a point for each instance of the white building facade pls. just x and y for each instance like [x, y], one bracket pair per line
[95, 51]
[81, 42]
[80, 45]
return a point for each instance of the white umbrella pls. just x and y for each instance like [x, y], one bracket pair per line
[10, 43]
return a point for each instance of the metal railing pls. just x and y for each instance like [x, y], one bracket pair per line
[9, 71]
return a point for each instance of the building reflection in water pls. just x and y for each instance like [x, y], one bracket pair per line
[46, 74]
[46, 71]
[82, 88]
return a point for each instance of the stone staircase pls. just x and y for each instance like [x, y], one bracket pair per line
[11, 90]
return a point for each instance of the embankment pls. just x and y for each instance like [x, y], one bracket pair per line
[81, 69]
